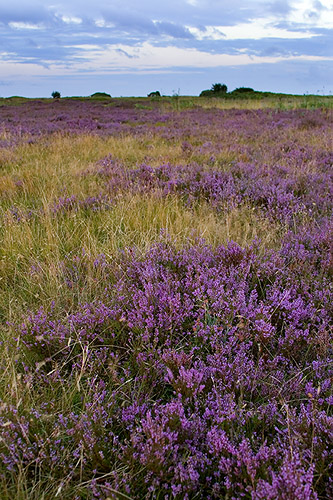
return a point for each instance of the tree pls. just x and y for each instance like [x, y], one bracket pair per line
[219, 88]
[55, 94]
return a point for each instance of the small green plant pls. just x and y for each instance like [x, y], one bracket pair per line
[55, 94]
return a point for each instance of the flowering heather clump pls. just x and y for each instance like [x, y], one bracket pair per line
[36, 119]
[231, 129]
[204, 371]
[73, 204]
[281, 192]
[164, 367]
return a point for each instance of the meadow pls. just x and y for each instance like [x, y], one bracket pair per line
[166, 299]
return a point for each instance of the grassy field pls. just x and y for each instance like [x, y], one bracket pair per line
[255, 100]
[165, 298]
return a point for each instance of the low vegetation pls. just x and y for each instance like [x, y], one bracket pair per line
[156, 93]
[166, 299]
[100, 95]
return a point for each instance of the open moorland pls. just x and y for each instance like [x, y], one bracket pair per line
[166, 299]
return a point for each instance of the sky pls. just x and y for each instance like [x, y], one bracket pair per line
[133, 47]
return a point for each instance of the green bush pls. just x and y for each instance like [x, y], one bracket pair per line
[100, 95]
[243, 90]
[216, 90]
[156, 93]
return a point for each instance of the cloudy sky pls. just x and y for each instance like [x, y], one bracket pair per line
[131, 47]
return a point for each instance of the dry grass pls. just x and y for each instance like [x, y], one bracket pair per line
[38, 174]
[276, 101]
[43, 243]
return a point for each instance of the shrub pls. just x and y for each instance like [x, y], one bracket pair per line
[216, 90]
[243, 90]
[100, 95]
[206, 93]
[156, 93]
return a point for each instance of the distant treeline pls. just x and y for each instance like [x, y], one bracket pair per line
[221, 90]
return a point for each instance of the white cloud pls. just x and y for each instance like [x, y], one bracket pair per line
[24, 26]
[308, 13]
[101, 23]
[71, 20]
[255, 30]
[121, 57]
[145, 58]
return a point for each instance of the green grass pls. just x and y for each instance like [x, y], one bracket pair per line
[255, 100]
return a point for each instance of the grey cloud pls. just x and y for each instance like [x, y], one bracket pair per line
[174, 30]
[318, 46]
[28, 15]
[60, 43]
[30, 42]
[321, 45]
[123, 52]
[127, 20]
[316, 10]
[275, 51]
[40, 47]
[319, 6]
[179, 11]
[139, 16]
[207, 12]
[280, 7]
[141, 24]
